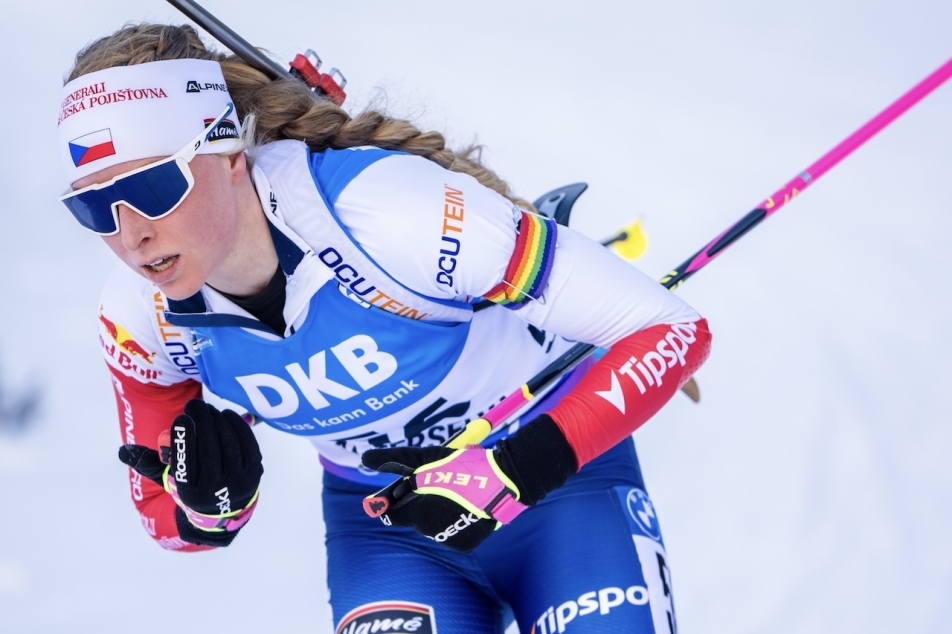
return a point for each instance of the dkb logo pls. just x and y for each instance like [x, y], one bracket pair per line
[364, 362]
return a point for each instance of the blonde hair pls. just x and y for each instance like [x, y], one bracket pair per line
[285, 108]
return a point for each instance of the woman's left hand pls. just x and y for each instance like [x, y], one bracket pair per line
[460, 496]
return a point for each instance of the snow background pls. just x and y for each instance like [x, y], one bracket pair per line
[809, 492]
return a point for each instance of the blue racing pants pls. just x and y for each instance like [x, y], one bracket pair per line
[587, 558]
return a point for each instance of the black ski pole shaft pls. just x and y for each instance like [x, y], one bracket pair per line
[237, 44]
[475, 432]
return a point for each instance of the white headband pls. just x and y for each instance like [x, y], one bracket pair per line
[142, 111]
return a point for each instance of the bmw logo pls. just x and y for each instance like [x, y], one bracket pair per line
[642, 511]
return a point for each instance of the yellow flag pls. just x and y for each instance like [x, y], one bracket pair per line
[633, 245]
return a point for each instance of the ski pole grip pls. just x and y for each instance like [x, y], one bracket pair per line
[383, 500]
[475, 432]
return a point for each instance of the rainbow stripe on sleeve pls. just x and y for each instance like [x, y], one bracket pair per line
[530, 264]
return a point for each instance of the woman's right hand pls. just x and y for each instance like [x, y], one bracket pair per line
[210, 464]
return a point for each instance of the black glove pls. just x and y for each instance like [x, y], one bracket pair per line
[459, 497]
[213, 470]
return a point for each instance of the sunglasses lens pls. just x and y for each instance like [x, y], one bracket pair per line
[93, 210]
[153, 192]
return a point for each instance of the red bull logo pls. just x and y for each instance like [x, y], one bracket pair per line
[124, 340]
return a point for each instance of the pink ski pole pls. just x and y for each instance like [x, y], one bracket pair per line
[807, 177]
[477, 430]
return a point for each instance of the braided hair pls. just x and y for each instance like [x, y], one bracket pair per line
[284, 108]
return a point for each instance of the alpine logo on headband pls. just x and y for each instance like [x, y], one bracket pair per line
[194, 86]
[95, 145]
[226, 129]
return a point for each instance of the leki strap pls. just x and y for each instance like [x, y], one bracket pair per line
[471, 478]
[223, 523]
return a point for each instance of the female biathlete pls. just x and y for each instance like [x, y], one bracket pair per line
[320, 271]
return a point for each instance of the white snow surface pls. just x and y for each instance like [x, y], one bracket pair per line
[810, 491]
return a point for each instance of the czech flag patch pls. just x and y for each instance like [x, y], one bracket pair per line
[92, 146]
